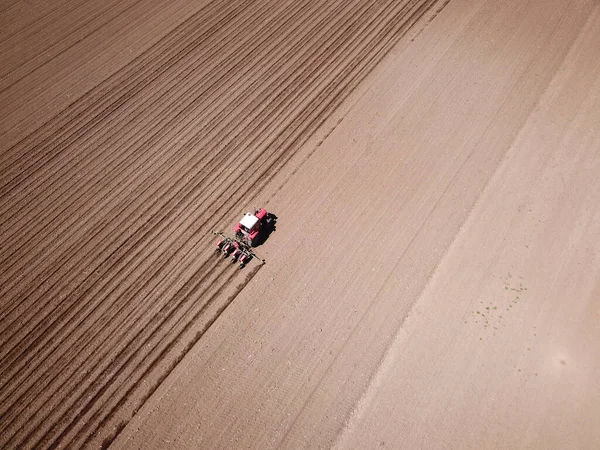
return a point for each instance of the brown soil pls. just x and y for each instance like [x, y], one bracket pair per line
[434, 277]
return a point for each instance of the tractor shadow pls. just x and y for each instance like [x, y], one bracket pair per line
[267, 228]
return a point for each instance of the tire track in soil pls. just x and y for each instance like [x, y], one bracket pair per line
[305, 119]
[102, 422]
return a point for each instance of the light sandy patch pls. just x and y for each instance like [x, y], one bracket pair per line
[500, 351]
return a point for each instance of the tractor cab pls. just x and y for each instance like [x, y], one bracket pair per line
[248, 228]
[249, 232]
[249, 223]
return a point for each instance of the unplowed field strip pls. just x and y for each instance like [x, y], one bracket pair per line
[105, 210]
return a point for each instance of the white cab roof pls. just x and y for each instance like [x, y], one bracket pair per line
[249, 221]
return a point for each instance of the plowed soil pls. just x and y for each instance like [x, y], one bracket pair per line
[434, 277]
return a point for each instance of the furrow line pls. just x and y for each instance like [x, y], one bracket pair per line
[89, 16]
[47, 422]
[40, 23]
[161, 350]
[110, 97]
[80, 115]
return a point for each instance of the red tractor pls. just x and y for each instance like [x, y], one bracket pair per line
[249, 232]
[252, 226]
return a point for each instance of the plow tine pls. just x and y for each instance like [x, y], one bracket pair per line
[257, 256]
[240, 248]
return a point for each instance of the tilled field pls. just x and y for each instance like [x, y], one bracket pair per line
[433, 279]
[106, 279]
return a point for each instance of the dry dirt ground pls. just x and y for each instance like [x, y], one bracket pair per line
[434, 278]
